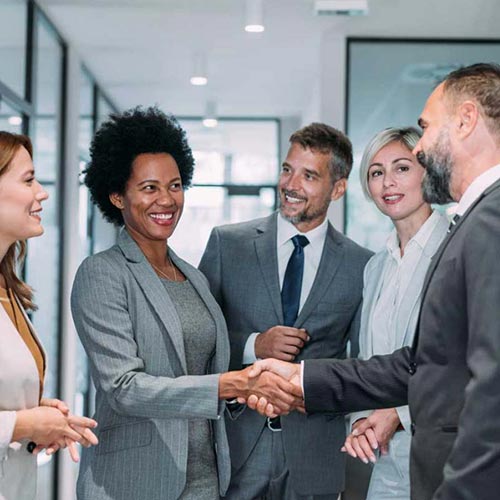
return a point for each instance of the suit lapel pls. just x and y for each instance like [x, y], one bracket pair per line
[155, 293]
[267, 257]
[333, 253]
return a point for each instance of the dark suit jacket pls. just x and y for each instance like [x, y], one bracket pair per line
[451, 378]
[241, 265]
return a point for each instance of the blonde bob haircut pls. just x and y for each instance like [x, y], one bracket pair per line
[408, 137]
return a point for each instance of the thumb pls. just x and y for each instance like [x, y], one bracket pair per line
[257, 368]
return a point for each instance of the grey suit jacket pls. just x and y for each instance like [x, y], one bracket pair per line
[240, 262]
[132, 335]
[451, 377]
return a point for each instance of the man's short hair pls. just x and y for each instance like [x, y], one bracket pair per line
[321, 138]
[480, 82]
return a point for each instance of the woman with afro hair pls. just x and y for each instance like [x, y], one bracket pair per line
[156, 338]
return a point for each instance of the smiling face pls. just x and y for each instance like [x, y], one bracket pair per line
[394, 182]
[21, 197]
[305, 187]
[153, 199]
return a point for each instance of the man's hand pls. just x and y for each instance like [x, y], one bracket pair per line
[371, 433]
[284, 395]
[288, 371]
[280, 342]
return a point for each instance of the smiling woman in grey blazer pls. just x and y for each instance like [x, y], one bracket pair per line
[155, 336]
[391, 176]
[28, 422]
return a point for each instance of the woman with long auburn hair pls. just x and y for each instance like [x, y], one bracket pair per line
[28, 422]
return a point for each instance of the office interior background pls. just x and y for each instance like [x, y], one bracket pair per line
[66, 64]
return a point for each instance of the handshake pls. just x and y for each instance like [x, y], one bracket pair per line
[270, 386]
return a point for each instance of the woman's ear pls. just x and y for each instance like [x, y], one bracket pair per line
[117, 200]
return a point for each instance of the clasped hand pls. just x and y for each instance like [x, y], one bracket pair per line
[55, 428]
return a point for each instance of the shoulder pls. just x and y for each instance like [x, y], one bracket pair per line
[354, 250]
[243, 229]
[110, 260]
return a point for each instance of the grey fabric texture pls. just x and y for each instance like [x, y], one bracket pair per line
[198, 329]
[450, 377]
[240, 262]
[145, 394]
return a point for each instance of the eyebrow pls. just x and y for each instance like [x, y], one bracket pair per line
[378, 164]
[156, 181]
[308, 170]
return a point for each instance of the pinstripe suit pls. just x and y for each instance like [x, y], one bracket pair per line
[132, 335]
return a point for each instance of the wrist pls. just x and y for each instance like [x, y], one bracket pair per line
[23, 428]
[232, 385]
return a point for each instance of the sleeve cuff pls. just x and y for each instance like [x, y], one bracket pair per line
[7, 425]
[249, 351]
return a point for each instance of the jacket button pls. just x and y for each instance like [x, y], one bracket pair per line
[412, 368]
[412, 428]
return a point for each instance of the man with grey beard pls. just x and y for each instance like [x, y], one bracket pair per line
[290, 287]
[451, 375]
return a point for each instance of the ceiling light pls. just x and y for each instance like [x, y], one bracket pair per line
[15, 120]
[199, 74]
[254, 16]
[340, 7]
[210, 118]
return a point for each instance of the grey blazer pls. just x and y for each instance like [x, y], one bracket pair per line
[451, 376]
[241, 265]
[132, 335]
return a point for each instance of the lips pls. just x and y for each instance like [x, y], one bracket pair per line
[392, 198]
[292, 198]
[36, 214]
[162, 218]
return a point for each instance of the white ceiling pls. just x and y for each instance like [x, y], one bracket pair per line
[141, 50]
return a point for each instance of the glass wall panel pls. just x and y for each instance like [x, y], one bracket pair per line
[13, 26]
[388, 84]
[11, 120]
[235, 177]
[43, 261]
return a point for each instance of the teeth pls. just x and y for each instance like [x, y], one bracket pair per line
[290, 199]
[392, 198]
[161, 216]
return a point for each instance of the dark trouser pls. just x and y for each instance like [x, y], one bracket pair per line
[264, 475]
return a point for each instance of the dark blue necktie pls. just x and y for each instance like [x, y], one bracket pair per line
[292, 283]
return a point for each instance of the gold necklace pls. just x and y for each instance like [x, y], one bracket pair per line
[162, 273]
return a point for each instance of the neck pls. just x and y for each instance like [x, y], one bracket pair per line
[407, 228]
[154, 250]
[4, 247]
[306, 226]
[474, 163]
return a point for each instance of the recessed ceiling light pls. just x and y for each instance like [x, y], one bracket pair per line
[254, 16]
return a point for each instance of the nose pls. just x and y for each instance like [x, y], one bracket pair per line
[417, 148]
[165, 198]
[291, 182]
[41, 194]
[388, 179]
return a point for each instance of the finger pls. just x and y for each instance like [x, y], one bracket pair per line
[384, 449]
[270, 412]
[362, 427]
[73, 451]
[55, 403]
[262, 406]
[359, 449]
[82, 421]
[297, 333]
[38, 449]
[70, 433]
[252, 401]
[367, 448]
[87, 435]
[284, 356]
[372, 438]
[349, 448]
[241, 400]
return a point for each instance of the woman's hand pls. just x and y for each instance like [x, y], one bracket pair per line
[372, 433]
[47, 425]
[55, 403]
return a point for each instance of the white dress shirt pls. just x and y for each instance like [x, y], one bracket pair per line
[397, 275]
[284, 248]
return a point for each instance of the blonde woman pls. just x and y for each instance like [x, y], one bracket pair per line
[391, 177]
[28, 422]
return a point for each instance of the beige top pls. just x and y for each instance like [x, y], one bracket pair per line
[15, 314]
